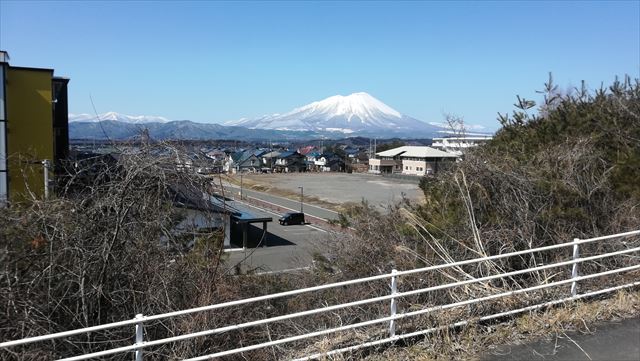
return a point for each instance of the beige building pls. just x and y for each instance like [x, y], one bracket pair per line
[410, 160]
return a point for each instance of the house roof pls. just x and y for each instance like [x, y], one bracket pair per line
[242, 157]
[416, 151]
[306, 150]
[273, 154]
[237, 156]
[287, 154]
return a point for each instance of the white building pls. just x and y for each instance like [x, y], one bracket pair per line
[458, 145]
[411, 160]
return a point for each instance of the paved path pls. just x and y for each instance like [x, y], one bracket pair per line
[610, 341]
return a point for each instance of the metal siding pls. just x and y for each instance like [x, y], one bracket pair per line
[29, 128]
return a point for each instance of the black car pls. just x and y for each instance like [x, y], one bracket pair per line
[291, 218]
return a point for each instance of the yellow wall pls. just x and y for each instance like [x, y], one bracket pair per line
[29, 128]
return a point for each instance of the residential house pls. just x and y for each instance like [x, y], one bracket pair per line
[215, 164]
[247, 161]
[269, 160]
[310, 160]
[329, 162]
[289, 161]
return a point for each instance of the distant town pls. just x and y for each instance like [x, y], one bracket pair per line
[351, 155]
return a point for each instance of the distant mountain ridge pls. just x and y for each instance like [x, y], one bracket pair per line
[180, 129]
[357, 114]
[113, 116]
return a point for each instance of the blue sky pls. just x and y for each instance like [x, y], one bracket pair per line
[219, 61]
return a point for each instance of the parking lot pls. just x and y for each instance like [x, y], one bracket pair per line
[283, 247]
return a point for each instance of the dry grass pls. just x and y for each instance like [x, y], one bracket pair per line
[474, 341]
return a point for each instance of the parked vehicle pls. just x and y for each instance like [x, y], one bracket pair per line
[291, 218]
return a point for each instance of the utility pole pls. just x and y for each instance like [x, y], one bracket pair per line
[301, 198]
[240, 186]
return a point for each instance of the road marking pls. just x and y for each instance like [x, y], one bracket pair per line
[235, 249]
[316, 228]
[277, 214]
[290, 200]
[291, 209]
[260, 209]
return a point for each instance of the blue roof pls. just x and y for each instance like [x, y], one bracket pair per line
[240, 157]
[237, 156]
[238, 211]
[286, 154]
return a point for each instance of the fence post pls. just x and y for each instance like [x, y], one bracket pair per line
[574, 268]
[394, 290]
[45, 168]
[139, 337]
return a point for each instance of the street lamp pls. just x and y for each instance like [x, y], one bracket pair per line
[301, 198]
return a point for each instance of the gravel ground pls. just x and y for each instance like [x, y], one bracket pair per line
[341, 187]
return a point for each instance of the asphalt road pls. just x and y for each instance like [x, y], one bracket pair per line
[610, 341]
[285, 203]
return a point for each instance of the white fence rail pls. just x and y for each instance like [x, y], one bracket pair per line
[393, 298]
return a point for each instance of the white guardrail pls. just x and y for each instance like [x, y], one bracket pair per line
[388, 321]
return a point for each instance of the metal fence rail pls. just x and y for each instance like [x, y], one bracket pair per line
[389, 321]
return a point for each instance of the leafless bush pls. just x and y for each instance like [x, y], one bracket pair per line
[104, 250]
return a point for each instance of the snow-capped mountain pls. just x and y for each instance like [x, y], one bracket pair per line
[132, 119]
[358, 113]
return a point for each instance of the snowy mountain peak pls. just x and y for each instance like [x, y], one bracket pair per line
[357, 113]
[134, 119]
[360, 104]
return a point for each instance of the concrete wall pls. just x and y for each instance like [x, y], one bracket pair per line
[416, 167]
